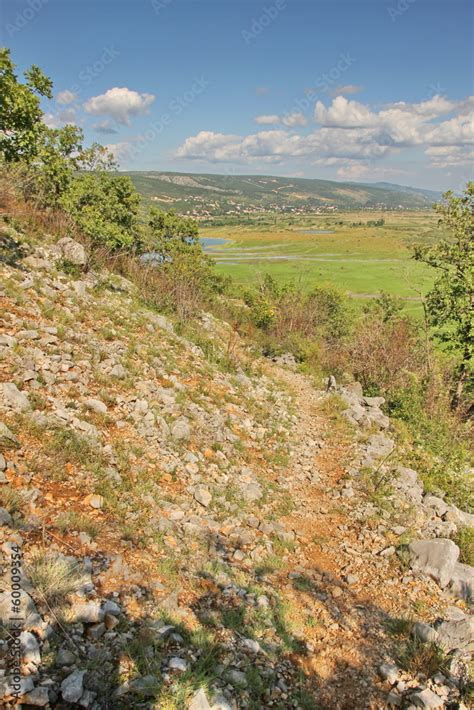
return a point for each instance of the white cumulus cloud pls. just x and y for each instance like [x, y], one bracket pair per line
[120, 104]
[267, 120]
[294, 119]
[344, 113]
[66, 97]
[351, 135]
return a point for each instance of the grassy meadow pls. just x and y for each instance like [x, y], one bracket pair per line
[360, 260]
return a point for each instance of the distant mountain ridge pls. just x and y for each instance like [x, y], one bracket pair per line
[431, 194]
[219, 194]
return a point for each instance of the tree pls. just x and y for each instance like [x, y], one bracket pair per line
[105, 206]
[56, 160]
[21, 123]
[168, 228]
[450, 303]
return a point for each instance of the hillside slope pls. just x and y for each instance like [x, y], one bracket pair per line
[197, 525]
[218, 194]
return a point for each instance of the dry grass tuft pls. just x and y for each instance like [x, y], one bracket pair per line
[54, 577]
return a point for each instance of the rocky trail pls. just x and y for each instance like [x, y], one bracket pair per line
[197, 527]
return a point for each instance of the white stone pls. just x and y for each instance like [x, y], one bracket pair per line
[16, 399]
[72, 686]
[435, 558]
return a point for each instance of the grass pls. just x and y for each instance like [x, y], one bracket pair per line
[465, 541]
[54, 577]
[415, 656]
[422, 658]
[378, 488]
[73, 520]
[359, 260]
[10, 499]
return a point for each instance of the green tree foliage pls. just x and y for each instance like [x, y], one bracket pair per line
[56, 160]
[287, 311]
[105, 206]
[169, 233]
[21, 124]
[388, 305]
[450, 303]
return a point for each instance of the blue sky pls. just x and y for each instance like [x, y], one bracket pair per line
[345, 90]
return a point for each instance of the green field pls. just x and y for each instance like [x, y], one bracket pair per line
[360, 260]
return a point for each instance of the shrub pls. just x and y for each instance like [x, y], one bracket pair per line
[294, 320]
[383, 353]
[105, 207]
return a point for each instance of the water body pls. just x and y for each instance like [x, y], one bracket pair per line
[156, 258]
[212, 242]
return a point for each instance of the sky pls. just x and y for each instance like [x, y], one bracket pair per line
[377, 90]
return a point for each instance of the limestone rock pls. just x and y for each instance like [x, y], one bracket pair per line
[199, 701]
[202, 496]
[462, 582]
[426, 699]
[89, 613]
[30, 648]
[26, 606]
[95, 405]
[15, 398]
[435, 558]
[178, 664]
[5, 518]
[72, 251]
[181, 430]
[457, 634]
[38, 697]
[72, 686]
[424, 633]
[94, 500]
[7, 439]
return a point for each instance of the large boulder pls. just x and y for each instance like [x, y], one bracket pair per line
[462, 582]
[72, 251]
[380, 445]
[15, 398]
[457, 634]
[435, 558]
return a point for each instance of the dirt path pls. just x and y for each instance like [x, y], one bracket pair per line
[344, 575]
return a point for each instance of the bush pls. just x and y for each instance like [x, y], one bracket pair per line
[296, 321]
[105, 207]
[383, 354]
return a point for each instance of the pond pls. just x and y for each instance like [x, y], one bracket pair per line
[212, 242]
[156, 258]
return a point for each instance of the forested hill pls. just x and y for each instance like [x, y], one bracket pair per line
[227, 193]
